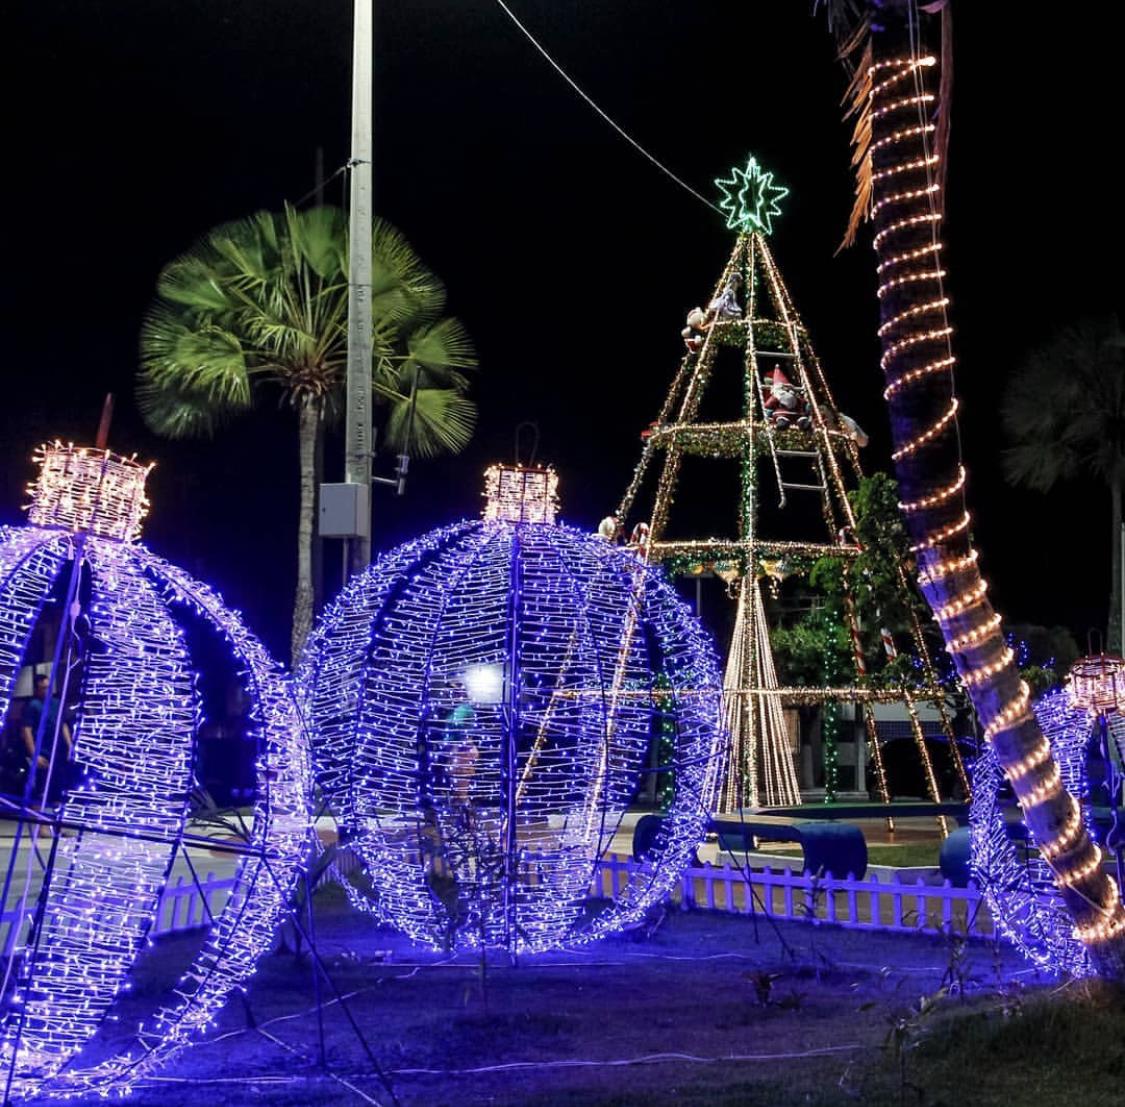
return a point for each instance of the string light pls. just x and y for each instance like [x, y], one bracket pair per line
[975, 636]
[899, 197]
[85, 490]
[927, 436]
[924, 308]
[936, 538]
[521, 494]
[939, 570]
[480, 817]
[936, 498]
[1021, 889]
[917, 363]
[125, 820]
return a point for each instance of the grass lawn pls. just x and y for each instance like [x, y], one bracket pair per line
[907, 854]
[708, 1010]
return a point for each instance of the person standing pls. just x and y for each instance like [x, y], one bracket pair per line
[56, 740]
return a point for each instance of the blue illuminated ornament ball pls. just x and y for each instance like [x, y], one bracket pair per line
[487, 704]
[103, 821]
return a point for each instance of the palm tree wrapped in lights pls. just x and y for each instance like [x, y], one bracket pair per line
[900, 133]
[260, 306]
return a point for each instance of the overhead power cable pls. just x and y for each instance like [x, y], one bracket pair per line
[589, 100]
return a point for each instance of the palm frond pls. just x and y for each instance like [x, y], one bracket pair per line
[442, 345]
[175, 410]
[318, 237]
[192, 282]
[201, 358]
[1063, 411]
[857, 101]
[402, 285]
[443, 422]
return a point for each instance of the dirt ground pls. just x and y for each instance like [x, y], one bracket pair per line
[710, 1009]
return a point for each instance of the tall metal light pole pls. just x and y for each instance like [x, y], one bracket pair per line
[357, 442]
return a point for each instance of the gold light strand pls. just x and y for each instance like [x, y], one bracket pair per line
[903, 135]
[905, 102]
[905, 224]
[1081, 872]
[910, 278]
[1016, 712]
[909, 255]
[981, 673]
[939, 570]
[936, 498]
[937, 537]
[913, 312]
[1070, 833]
[1046, 789]
[975, 636]
[1040, 755]
[903, 197]
[929, 435]
[917, 374]
[896, 348]
[905, 167]
[1097, 933]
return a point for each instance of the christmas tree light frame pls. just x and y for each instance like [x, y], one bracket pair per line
[754, 697]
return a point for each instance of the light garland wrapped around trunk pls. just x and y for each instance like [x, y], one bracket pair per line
[917, 361]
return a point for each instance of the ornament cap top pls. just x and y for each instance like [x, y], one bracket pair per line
[82, 489]
[750, 198]
[1097, 683]
[521, 493]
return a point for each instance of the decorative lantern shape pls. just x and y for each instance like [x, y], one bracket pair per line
[87, 871]
[486, 702]
[1097, 683]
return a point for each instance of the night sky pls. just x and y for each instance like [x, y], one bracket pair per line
[133, 127]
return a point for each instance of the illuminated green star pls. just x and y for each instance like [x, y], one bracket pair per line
[750, 198]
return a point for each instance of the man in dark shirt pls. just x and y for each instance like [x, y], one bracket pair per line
[55, 736]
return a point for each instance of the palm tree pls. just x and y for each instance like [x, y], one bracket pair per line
[900, 134]
[258, 308]
[1064, 415]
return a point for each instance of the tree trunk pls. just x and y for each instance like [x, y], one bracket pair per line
[1114, 635]
[917, 360]
[308, 423]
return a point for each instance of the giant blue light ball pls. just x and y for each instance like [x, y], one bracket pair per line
[488, 702]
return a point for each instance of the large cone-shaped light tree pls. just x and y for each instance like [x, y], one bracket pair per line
[901, 127]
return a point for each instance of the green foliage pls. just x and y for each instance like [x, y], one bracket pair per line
[1044, 654]
[801, 648]
[1063, 415]
[1064, 409]
[876, 574]
[262, 303]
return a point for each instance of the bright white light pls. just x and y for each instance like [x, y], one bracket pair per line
[484, 683]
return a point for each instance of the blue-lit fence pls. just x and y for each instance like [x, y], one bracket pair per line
[888, 904]
[870, 904]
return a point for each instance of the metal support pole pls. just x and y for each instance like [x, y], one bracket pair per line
[357, 447]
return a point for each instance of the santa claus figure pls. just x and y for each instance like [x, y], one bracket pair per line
[785, 403]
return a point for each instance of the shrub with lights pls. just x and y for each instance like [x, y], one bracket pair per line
[86, 871]
[487, 701]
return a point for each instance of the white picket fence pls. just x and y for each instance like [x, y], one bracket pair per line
[869, 904]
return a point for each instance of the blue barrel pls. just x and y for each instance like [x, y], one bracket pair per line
[833, 849]
[956, 857]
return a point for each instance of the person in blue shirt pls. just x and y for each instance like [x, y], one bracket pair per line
[56, 736]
